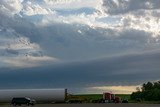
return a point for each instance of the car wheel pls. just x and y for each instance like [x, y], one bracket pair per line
[27, 104]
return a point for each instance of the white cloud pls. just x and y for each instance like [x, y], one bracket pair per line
[71, 4]
[147, 22]
[60, 1]
[17, 50]
[26, 61]
[10, 6]
[29, 8]
[134, 14]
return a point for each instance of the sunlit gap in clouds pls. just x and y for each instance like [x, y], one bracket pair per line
[116, 89]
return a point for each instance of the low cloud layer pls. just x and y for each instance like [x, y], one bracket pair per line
[130, 70]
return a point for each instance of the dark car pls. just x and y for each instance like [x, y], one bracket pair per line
[22, 100]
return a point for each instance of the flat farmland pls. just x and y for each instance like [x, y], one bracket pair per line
[88, 105]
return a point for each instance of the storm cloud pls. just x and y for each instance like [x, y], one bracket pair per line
[84, 43]
[130, 70]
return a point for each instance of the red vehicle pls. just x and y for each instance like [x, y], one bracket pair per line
[107, 96]
[111, 98]
[117, 100]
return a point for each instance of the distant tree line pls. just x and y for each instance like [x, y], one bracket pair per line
[149, 92]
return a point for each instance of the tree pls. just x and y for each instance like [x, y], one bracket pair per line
[157, 85]
[150, 92]
[147, 86]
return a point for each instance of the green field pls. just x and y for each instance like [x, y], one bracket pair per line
[124, 96]
[89, 97]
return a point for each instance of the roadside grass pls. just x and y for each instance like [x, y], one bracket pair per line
[99, 96]
[89, 97]
[124, 96]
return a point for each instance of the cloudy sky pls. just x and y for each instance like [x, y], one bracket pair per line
[87, 46]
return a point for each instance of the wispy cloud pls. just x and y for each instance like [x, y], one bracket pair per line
[17, 50]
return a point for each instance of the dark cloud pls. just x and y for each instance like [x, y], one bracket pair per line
[63, 40]
[20, 25]
[123, 70]
[125, 6]
[75, 41]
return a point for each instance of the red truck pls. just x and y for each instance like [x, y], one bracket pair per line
[111, 98]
